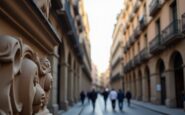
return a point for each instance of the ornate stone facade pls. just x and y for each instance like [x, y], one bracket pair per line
[25, 79]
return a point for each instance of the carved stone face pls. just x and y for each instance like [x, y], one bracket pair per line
[39, 99]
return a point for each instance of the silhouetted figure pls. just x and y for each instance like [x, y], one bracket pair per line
[113, 97]
[89, 96]
[128, 96]
[105, 94]
[93, 97]
[82, 97]
[120, 99]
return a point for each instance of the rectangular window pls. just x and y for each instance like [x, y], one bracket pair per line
[158, 27]
[146, 40]
[173, 7]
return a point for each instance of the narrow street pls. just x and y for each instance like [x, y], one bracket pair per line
[100, 109]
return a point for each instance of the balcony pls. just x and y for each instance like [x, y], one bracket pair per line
[145, 55]
[155, 45]
[137, 32]
[172, 33]
[127, 67]
[126, 47]
[155, 6]
[143, 22]
[183, 23]
[136, 6]
[132, 39]
[137, 60]
[132, 64]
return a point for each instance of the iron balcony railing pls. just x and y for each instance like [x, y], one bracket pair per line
[143, 22]
[144, 54]
[137, 60]
[127, 67]
[132, 64]
[172, 33]
[126, 47]
[155, 44]
[183, 23]
[154, 6]
[137, 32]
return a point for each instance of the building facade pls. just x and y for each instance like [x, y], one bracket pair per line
[116, 57]
[57, 30]
[154, 51]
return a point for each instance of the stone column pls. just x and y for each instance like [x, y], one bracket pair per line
[155, 95]
[75, 90]
[138, 89]
[63, 86]
[71, 94]
[170, 89]
[53, 106]
[145, 92]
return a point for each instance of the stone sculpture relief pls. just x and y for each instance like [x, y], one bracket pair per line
[25, 79]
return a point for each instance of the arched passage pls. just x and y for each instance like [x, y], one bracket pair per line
[134, 85]
[177, 66]
[69, 78]
[147, 84]
[161, 69]
[139, 85]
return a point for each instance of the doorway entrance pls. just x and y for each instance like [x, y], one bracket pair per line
[179, 78]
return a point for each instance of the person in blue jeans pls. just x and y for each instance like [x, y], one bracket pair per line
[120, 98]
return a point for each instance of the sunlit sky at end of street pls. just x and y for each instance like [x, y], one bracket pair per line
[102, 17]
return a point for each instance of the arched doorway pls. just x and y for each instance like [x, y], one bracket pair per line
[147, 75]
[161, 69]
[69, 77]
[134, 86]
[177, 63]
[140, 84]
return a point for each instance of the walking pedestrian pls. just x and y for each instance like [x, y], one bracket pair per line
[89, 96]
[113, 97]
[105, 94]
[93, 97]
[128, 96]
[82, 97]
[120, 99]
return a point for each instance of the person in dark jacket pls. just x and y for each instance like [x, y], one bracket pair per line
[89, 96]
[105, 94]
[82, 97]
[93, 96]
[128, 96]
[120, 99]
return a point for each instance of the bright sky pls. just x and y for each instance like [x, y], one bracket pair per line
[102, 17]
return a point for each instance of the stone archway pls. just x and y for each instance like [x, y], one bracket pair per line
[176, 63]
[162, 80]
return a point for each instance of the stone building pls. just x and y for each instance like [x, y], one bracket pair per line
[58, 30]
[94, 73]
[116, 55]
[154, 51]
